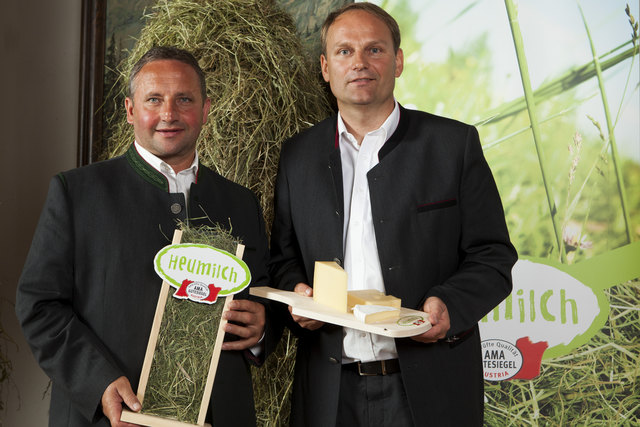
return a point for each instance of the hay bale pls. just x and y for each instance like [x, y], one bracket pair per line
[261, 85]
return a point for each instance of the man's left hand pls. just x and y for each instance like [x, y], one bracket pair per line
[438, 316]
[246, 320]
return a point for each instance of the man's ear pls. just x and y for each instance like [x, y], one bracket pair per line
[128, 106]
[205, 110]
[399, 62]
[324, 67]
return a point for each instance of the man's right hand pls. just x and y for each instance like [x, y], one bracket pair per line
[117, 393]
[304, 322]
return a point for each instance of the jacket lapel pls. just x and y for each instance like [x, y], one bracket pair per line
[335, 168]
[398, 135]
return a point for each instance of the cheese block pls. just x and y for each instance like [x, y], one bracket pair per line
[371, 297]
[375, 313]
[330, 285]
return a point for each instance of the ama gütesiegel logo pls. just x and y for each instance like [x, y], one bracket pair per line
[548, 313]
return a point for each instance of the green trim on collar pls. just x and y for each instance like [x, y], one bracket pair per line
[63, 180]
[145, 170]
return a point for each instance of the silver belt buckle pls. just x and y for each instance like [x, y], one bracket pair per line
[365, 374]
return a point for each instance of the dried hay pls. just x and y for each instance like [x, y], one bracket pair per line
[185, 344]
[7, 382]
[260, 83]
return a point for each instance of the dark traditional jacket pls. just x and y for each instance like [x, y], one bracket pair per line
[440, 231]
[88, 292]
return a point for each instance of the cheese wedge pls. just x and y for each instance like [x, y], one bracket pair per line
[375, 313]
[330, 285]
[371, 297]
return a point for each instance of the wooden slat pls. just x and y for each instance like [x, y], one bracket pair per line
[155, 329]
[215, 357]
[155, 421]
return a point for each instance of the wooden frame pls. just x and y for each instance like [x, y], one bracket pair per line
[153, 420]
[103, 22]
[94, 16]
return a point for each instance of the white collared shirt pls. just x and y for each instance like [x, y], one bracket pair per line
[178, 182]
[361, 261]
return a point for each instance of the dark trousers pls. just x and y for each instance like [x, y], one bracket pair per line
[372, 401]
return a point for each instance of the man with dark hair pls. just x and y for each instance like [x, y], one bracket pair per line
[406, 202]
[158, 53]
[88, 292]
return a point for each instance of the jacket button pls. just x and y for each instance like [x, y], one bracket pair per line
[176, 208]
[333, 360]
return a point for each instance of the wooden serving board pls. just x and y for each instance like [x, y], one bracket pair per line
[410, 323]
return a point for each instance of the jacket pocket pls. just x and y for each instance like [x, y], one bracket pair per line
[441, 204]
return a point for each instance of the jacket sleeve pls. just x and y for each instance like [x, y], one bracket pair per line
[483, 278]
[286, 265]
[260, 277]
[68, 351]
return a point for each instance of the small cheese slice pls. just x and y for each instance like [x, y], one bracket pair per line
[330, 285]
[371, 297]
[375, 313]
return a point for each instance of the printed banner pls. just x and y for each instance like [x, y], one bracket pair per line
[553, 309]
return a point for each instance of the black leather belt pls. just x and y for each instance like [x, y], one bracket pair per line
[380, 367]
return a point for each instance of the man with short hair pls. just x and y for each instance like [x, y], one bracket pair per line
[406, 202]
[88, 292]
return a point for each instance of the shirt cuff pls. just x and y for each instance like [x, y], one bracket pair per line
[257, 349]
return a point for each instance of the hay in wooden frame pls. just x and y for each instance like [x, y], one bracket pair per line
[186, 342]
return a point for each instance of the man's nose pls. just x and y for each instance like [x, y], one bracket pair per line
[168, 111]
[359, 60]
